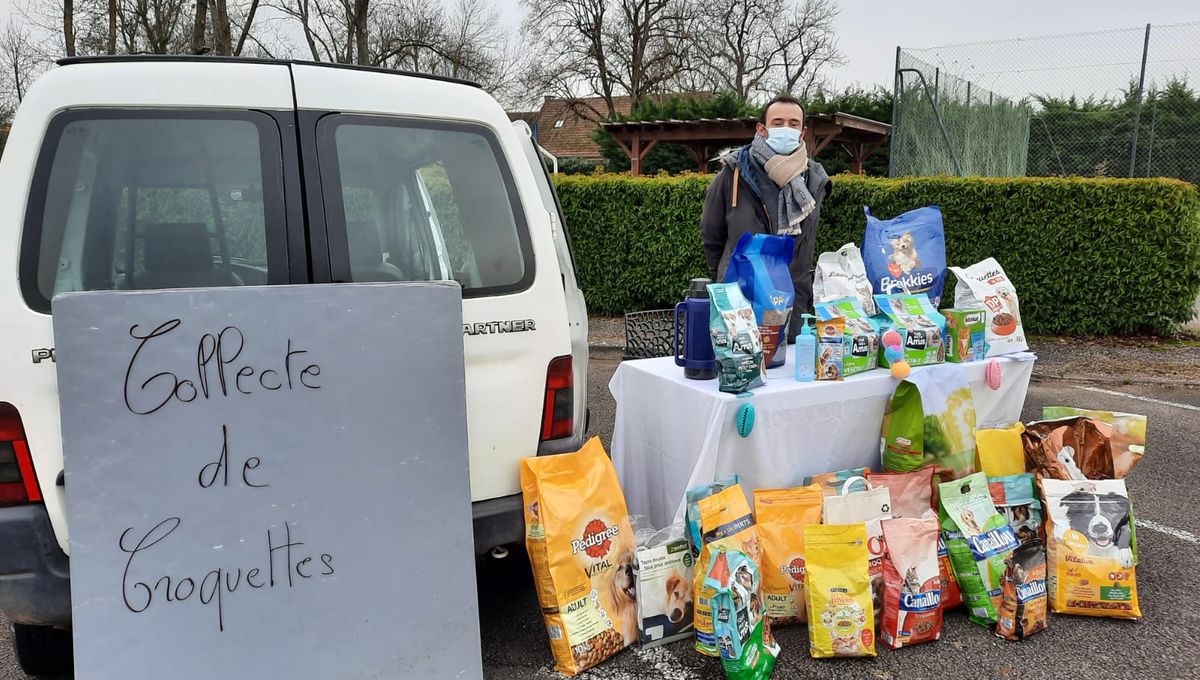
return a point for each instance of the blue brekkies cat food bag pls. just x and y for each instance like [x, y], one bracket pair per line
[906, 254]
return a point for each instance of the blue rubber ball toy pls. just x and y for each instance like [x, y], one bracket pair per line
[745, 420]
[894, 354]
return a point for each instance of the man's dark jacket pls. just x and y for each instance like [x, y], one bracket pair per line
[750, 205]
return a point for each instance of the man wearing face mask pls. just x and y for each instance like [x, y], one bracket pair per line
[768, 186]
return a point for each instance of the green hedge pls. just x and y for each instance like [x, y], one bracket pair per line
[1088, 256]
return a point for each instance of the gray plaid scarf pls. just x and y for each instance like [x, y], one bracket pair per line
[787, 171]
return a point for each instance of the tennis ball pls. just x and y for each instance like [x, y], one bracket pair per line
[900, 370]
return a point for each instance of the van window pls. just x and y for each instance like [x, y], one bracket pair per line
[422, 201]
[148, 200]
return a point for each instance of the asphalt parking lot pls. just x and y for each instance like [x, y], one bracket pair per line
[1166, 644]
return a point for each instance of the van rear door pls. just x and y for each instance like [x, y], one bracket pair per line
[411, 180]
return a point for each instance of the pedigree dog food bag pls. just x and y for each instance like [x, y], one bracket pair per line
[782, 515]
[581, 547]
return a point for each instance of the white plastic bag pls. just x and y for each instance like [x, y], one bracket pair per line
[842, 274]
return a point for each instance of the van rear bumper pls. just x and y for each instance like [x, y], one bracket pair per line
[35, 583]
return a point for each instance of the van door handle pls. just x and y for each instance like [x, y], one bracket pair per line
[62, 479]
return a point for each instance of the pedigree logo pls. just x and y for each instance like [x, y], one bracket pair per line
[794, 569]
[597, 539]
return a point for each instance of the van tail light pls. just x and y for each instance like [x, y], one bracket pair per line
[558, 409]
[18, 484]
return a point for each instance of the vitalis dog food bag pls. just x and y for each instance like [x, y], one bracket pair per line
[842, 274]
[984, 285]
[841, 617]
[907, 254]
[759, 266]
[781, 515]
[979, 540]
[736, 340]
[743, 635]
[1090, 552]
[725, 522]
[912, 594]
[665, 587]
[1023, 593]
[581, 548]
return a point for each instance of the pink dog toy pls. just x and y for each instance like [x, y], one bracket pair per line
[991, 373]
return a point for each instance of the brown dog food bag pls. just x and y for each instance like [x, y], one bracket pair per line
[1069, 448]
[1023, 609]
[581, 547]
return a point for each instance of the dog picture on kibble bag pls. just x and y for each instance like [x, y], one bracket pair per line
[1104, 520]
[623, 592]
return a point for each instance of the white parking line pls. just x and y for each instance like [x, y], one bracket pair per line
[1170, 531]
[1139, 397]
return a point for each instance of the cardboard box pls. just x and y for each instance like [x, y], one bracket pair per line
[965, 335]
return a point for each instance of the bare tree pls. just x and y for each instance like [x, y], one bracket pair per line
[199, 25]
[808, 46]
[19, 64]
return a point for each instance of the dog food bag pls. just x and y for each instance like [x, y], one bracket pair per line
[911, 492]
[999, 451]
[780, 516]
[1128, 438]
[759, 265]
[581, 548]
[907, 254]
[921, 328]
[978, 539]
[1023, 593]
[841, 615]
[964, 335]
[1015, 497]
[912, 591]
[1090, 549]
[832, 483]
[1069, 448]
[831, 348]
[739, 621]
[736, 340]
[860, 340]
[725, 522]
[665, 587]
[842, 274]
[870, 507]
[930, 420]
[983, 285]
[951, 596]
[692, 514]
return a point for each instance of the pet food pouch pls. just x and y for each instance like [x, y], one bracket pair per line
[831, 348]
[951, 596]
[1069, 448]
[930, 420]
[983, 285]
[1014, 497]
[842, 274]
[841, 616]
[692, 514]
[870, 507]
[921, 328]
[911, 492]
[907, 254]
[912, 594]
[743, 635]
[979, 540]
[999, 451]
[860, 340]
[725, 522]
[759, 265]
[832, 483]
[1128, 439]
[781, 515]
[736, 340]
[581, 548]
[1090, 549]
[964, 335]
[665, 586]
[1023, 593]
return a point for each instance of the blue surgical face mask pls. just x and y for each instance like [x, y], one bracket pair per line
[783, 139]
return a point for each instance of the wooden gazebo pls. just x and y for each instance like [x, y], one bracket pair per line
[861, 137]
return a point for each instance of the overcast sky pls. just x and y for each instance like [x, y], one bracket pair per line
[868, 31]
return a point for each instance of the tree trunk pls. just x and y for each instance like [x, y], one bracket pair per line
[197, 26]
[237, 51]
[112, 26]
[221, 40]
[360, 31]
[69, 26]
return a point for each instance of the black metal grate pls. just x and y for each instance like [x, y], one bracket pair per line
[650, 334]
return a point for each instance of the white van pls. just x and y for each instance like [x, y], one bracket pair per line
[135, 173]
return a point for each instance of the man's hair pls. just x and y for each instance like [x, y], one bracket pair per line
[781, 99]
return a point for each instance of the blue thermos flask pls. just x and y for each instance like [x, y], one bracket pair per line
[697, 359]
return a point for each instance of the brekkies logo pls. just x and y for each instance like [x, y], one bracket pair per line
[794, 569]
[597, 539]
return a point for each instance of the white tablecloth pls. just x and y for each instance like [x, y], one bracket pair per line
[672, 433]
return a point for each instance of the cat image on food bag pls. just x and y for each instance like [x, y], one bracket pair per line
[912, 600]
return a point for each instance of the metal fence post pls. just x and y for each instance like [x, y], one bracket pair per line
[1137, 109]
[896, 86]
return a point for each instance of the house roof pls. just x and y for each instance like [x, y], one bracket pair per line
[564, 127]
